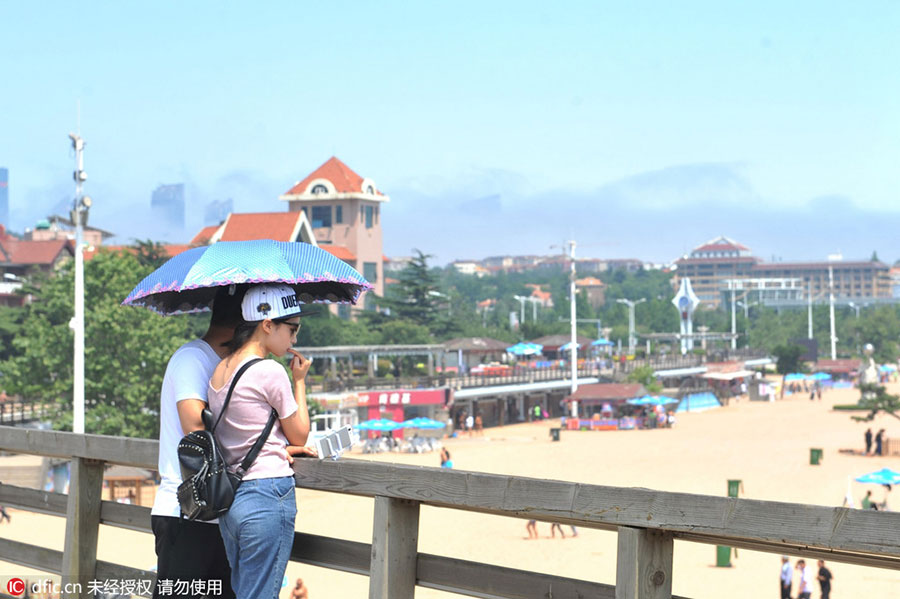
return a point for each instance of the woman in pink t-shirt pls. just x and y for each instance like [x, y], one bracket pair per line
[258, 530]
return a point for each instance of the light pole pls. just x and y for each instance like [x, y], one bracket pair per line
[79, 213]
[809, 300]
[733, 318]
[831, 311]
[574, 346]
[521, 301]
[631, 304]
[855, 307]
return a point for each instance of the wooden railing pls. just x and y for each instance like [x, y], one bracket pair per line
[647, 523]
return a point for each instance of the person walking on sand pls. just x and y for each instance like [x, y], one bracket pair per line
[824, 580]
[299, 591]
[787, 574]
[531, 527]
[868, 438]
[804, 591]
[4, 515]
[879, 440]
[554, 527]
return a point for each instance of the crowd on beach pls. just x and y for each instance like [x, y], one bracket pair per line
[805, 577]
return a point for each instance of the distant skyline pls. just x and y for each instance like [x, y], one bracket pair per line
[641, 130]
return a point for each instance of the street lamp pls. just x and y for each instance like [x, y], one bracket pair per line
[855, 307]
[631, 338]
[80, 206]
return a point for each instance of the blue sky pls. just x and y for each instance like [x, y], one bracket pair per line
[700, 117]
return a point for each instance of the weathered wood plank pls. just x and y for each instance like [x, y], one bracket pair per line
[497, 582]
[643, 564]
[31, 556]
[328, 552]
[133, 517]
[395, 538]
[704, 517]
[458, 576]
[82, 520]
[33, 500]
[142, 453]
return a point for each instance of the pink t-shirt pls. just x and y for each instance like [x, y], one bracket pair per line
[263, 386]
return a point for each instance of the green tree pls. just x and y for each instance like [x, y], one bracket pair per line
[876, 399]
[416, 297]
[150, 253]
[10, 326]
[126, 349]
[787, 357]
[644, 375]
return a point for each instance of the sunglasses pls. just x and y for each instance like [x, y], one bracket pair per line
[295, 326]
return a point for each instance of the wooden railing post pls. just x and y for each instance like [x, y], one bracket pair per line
[82, 521]
[395, 540]
[644, 564]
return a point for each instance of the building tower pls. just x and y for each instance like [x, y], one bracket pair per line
[167, 205]
[4, 197]
[345, 212]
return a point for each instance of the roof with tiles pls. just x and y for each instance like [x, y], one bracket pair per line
[607, 392]
[260, 225]
[205, 234]
[590, 282]
[340, 252]
[32, 253]
[344, 178]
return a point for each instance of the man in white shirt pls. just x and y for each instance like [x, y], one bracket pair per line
[190, 550]
[786, 577]
[806, 580]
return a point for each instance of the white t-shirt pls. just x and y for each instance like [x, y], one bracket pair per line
[187, 377]
[806, 580]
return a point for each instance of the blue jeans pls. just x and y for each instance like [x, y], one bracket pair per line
[258, 532]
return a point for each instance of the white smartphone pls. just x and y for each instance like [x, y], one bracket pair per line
[334, 443]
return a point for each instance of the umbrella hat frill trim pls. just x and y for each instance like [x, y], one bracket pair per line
[174, 286]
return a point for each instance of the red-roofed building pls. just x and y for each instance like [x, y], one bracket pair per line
[344, 210]
[594, 289]
[18, 256]
[205, 234]
[717, 265]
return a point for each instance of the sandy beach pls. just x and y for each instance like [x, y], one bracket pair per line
[766, 445]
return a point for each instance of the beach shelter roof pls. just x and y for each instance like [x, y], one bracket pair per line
[602, 392]
[475, 344]
[885, 476]
[554, 342]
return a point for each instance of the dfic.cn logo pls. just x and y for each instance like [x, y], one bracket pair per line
[15, 586]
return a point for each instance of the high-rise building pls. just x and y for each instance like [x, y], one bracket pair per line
[167, 205]
[217, 211]
[4, 197]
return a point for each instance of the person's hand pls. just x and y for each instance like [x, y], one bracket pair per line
[301, 450]
[299, 365]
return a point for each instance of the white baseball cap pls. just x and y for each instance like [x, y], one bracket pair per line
[271, 301]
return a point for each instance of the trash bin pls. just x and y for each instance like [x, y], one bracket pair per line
[734, 486]
[815, 456]
[723, 556]
[554, 433]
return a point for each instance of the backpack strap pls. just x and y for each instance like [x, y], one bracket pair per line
[234, 381]
[261, 440]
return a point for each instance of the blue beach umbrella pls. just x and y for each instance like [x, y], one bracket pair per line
[379, 424]
[652, 400]
[820, 376]
[424, 423]
[885, 476]
[525, 349]
[568, 346]
[794, 376]
[600, 342]
[188, 282]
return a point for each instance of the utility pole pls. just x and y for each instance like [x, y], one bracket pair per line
[809, 299]
[521, 300]
[831, 311]
[80, 207]
[632, 341]
[574, 346]
[733, 318]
